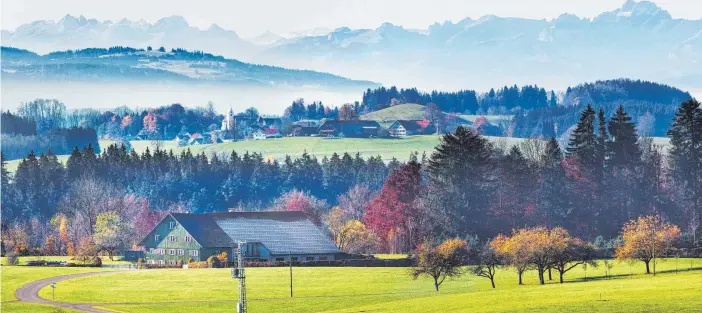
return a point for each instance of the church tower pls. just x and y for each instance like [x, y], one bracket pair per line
[229, 123]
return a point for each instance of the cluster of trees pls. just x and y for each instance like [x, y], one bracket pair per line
[503, 100]
[162, 123]
[544, 250]
[41, 125]
[651, 105]
[298, 110]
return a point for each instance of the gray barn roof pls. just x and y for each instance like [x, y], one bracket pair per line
[279, 232]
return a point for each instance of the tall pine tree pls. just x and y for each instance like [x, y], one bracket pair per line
[686, 162]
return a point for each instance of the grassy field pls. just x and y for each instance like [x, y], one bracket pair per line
[21, 307]
[397, 112]
[392, 290]
[14, 277]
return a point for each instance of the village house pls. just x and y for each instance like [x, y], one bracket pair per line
[304, 128]
[402, 128]
[269, 236]
[353, 128]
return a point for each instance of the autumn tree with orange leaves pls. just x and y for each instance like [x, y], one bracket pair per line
[645, 238]
[440, 262]
[514, 252]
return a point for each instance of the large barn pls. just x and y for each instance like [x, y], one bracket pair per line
[269, 236]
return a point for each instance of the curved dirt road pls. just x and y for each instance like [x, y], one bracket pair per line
[30, 292]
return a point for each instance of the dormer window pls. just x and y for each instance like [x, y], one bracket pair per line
[157, 238]
[171, 225]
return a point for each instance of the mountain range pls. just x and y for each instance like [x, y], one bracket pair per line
[638, 40]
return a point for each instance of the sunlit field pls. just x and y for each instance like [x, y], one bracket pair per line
[676, 287]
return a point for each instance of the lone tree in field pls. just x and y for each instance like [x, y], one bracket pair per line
[568, 252]
[646, 238]
[488, 263]
[439, 262]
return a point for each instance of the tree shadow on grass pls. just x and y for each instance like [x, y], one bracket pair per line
[623, 276]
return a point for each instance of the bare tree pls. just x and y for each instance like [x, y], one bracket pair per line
[355, 200]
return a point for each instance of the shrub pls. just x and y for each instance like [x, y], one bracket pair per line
[85, 261]
[198, 265]
[190, 260]
[214, 262]
[179, 263]
[222, 257]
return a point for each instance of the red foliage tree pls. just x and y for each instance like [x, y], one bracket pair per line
[395, 211]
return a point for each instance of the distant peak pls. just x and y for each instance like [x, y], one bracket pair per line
[640, 8]
[174, 20]
[342, 30]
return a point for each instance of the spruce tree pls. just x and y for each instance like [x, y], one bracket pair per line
[623, 148]
[554, 191]
[460, 174]
[583, 142]
[686, 159]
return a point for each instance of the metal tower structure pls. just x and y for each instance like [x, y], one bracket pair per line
[239, 274]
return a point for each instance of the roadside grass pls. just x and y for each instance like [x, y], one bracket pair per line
[349, 289]
[13, 277]
[23, 307]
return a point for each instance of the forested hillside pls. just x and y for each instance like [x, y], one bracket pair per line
[155, 65]
[605, 175]
[544, 113]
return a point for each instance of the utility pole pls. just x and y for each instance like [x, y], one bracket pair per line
[290, 263]
[239, 274]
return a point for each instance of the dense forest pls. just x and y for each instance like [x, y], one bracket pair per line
[541, 113]
[468, 187]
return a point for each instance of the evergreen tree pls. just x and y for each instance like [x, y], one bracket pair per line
[583, 142]
[554, 206]
[686, 160]
[623, 148]
[461, 180]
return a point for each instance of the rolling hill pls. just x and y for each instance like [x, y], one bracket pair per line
[136, 65]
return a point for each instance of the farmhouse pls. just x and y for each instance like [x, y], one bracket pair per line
[355, 128]
[402, 128]
[269, 236]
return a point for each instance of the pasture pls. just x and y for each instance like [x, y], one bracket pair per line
[347, 289]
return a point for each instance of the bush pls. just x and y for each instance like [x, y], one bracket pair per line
[198, 265]
[179, 263]
[85, 261]
[214, 262]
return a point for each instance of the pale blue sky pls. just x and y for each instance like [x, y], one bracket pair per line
[249, 18]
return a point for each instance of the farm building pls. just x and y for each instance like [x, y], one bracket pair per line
[354, 128]
[402, 128]
[269, 236]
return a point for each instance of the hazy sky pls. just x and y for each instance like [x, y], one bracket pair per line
[249, 18]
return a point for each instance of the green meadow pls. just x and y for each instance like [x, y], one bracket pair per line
[677, 287]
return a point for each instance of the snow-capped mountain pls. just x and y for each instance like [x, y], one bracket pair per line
[79, 32]
[638, 40]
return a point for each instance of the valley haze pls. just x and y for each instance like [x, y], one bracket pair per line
[638, 40]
